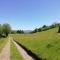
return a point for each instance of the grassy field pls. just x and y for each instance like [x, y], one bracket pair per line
[2, 42]
[15, 55]
[45, 44]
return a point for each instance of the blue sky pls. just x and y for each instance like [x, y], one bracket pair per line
[29, 14]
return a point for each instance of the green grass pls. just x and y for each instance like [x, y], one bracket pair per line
[15, 55]
[2, 43]
[45, 44]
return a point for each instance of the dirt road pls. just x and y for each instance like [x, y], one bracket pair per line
[23, 52]
[5, 53]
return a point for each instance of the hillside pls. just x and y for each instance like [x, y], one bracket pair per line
[45, 44]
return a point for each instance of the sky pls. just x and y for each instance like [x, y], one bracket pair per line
[29, 14]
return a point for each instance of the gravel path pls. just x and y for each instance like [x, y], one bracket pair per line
[5, 53]
[23, 52]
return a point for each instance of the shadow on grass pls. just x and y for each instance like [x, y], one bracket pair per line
[29, 52]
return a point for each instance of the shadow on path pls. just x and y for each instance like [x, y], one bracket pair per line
[29, 52]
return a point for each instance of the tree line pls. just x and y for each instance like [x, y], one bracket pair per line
[17, 32]
[45, 27]
[5, 29]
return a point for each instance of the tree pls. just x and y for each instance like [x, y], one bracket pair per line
[36, 30]
[0, 30]
[6, 29]
[59, 29]
[44, 26]
[54, 25]
[39, 30]
[20, 31]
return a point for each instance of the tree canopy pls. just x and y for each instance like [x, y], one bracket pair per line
[5, 29]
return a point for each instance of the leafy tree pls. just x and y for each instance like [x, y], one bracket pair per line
[0, 30]
[59, 29]
[6, 29]
[44, 26]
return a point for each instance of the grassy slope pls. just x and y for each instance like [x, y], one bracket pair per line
[15, 55]
[2, 42]
[45, 44]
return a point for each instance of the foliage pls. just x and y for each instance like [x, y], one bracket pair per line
[39, 29]
[20, 31]
[0, 30]
[13, 32]
[59, 29]
[5, 29]
[45, 27]
[17, 32]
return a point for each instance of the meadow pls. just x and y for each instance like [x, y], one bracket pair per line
[45, 44]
